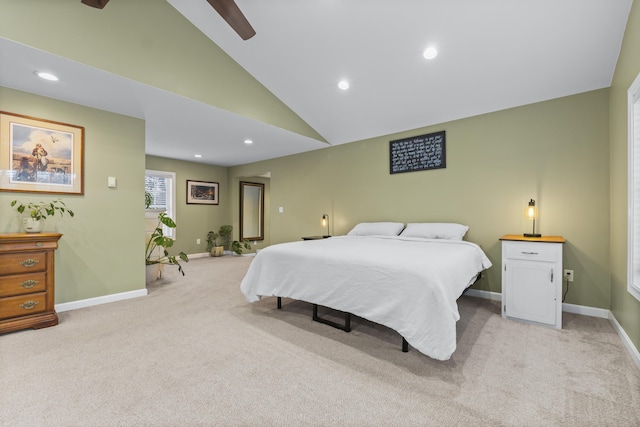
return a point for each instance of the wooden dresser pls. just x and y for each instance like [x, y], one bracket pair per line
[27, 281]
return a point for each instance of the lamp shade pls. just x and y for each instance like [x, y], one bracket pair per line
[532, 211]
[532, 214]
[325, 223]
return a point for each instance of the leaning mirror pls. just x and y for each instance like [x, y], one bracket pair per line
[251, 211]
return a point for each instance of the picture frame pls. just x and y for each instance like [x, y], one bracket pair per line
[418, 153]
[40, 156]
[202, 193]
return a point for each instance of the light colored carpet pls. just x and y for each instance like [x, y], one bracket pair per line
[194, 352]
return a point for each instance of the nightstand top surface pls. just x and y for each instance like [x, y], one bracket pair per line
[315, 237]
[543, 239]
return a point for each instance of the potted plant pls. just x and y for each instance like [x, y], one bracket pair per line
[36, 212]
[238, 247]
[232, 245]
[158, 242]
[225, 234]
[212, 244]
[148, 199]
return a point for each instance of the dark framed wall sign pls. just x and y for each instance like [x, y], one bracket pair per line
[202, 193]
[40, 156]
[418, 153]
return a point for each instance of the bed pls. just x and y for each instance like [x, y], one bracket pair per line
[406, 278]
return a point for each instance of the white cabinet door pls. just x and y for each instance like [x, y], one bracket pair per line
[532, 282]
[531, 291]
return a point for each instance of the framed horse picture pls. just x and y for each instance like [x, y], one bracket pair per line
[40, 156]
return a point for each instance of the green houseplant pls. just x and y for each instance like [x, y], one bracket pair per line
[148, 199]
[36, 212]
[236, 246]
[212, 244]
[158, 241]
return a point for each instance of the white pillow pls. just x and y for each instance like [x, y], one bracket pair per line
[435, 230]
[376, 229]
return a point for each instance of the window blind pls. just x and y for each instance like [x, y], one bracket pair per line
[161, 186]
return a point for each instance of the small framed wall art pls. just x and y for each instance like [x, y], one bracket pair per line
[40, 156]
[202, 193]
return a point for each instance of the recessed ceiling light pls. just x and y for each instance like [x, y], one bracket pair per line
[197, 155]
[343, 84]
[248, 141]
[430, 53]
[46, 76]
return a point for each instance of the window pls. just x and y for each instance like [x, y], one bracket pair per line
[633, 260]
[162, 187]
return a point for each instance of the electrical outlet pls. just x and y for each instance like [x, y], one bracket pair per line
[568, 274]
[197, 241]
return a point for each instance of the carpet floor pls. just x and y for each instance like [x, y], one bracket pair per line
[195, 353]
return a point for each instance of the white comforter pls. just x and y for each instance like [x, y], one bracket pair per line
[410, 285]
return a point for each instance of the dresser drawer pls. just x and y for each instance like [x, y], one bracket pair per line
[531, 251]
[23, 284]
[23, 305]
[16, 263]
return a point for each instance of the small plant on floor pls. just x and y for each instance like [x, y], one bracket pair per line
[232, 245]
[238, 247]
[212, 244]
[158, 240]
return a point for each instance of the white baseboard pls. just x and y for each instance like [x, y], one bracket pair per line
[577, 309]
[200, 255]
[586, 311]
[633, 351]
[89, 302]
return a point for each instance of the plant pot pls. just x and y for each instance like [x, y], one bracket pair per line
[32, 225]
[152, 273]
[217, 251]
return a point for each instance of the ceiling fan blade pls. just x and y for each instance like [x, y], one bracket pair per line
[231, 13]
[95, 3]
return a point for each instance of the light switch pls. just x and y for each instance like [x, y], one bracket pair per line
[111, 182]
[281, 209]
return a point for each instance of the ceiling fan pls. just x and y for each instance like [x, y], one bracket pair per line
[228, 9]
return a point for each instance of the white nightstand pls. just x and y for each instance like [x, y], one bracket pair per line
[532, 279]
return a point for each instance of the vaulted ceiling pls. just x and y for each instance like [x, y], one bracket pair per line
[203, 90]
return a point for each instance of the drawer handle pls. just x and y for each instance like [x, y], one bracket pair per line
[529, 253]
[29, 262]
[28, 284]
[28, 305]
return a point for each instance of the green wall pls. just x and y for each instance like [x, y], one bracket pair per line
[555, 152]
[195, 221]
[102, 250]
[624, 306]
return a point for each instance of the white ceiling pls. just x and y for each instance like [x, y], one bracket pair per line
[493, 54]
